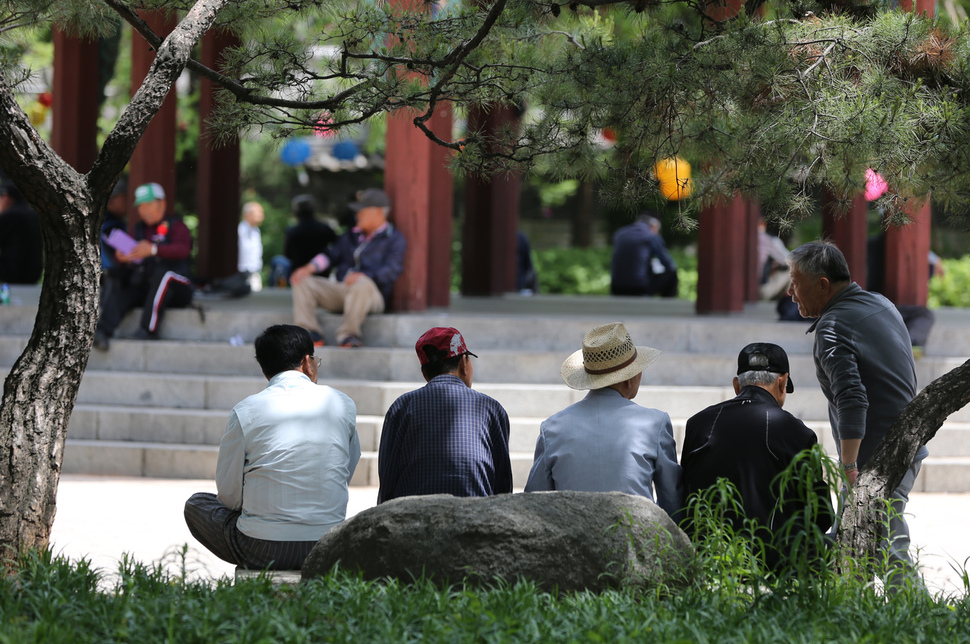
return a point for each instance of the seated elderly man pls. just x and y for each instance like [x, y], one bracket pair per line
[445, 438]
[285, 462]
[606, 442]
[365, 263]
[749, 440]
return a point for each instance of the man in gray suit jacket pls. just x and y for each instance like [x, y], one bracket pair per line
[606, 442]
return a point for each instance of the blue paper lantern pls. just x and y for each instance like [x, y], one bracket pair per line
[295, 152]
[345, 151]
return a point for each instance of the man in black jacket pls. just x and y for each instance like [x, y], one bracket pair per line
[749, 440]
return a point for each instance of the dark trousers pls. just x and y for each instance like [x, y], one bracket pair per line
[154, 292]
[214, 525]
[919, 321]
[663, 284]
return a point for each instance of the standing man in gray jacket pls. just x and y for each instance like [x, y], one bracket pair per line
[864, 363]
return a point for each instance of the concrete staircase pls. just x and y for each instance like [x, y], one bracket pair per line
[159, 408]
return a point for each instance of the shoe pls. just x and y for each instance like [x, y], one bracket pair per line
[143, 334]
[101, 340]
[318, 340]
[351, 342]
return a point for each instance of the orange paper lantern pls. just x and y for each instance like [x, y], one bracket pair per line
[673, 173]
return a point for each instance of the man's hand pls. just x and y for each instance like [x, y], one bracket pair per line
[142, 250]
[351, 277]
[302, 273]
[852, 475]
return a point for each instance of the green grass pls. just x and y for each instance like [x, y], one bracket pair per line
[727, 596]
[51, 601]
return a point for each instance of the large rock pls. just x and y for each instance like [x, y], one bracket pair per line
[563, 541]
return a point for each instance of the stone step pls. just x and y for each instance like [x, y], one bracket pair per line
[205, 427]
[400, 364]
[541, 323]
[172, 461]
[164, 460]
[189, 391]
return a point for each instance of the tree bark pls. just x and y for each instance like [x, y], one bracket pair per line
[916, 425]
[41, 389]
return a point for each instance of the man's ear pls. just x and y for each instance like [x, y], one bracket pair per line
[825, 284]
[781, 387]
[737, 386]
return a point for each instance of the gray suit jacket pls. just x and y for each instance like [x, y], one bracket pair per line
[606, 443]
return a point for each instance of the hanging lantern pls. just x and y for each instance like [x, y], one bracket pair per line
[295, 152]
[876, 186]
[37, 113]
[673, 173]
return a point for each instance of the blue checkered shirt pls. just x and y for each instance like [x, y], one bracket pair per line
[444, 438]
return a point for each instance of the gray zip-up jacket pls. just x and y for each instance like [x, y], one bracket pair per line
[864, 363]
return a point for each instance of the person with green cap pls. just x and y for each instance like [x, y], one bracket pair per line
[155, 260]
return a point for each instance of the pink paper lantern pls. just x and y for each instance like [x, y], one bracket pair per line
[876, 186]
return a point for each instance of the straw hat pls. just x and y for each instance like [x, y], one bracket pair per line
[608, 356]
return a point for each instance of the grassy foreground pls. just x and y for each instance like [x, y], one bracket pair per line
[52, 600]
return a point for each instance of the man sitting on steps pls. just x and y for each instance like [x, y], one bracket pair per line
[366, 261]
[285, 462]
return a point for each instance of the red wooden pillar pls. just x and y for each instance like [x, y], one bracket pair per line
[907, 247]
[154, 158]
[907, 259]
[849, 231]
[417, 181]
[725, 233]
[74, 135]
[217, 195]
[489, 241]
[724, 255]
[752, 272]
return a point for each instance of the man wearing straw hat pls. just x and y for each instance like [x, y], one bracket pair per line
[606, 442]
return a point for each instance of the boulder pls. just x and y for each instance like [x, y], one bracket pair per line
[562, 541]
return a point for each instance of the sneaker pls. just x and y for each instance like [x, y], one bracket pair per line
[318, 340]
[101, 340]
[351, 342]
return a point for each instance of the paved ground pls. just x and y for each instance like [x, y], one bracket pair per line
[101, 518]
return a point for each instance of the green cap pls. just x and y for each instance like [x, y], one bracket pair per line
[148, 192]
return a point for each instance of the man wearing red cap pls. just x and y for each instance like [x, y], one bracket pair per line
[445, 438]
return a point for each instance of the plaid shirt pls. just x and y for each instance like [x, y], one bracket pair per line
[444, 438]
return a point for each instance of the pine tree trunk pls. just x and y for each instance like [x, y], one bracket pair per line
[916, 425]
[41, 389]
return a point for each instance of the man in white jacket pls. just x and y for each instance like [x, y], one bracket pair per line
[285, 462]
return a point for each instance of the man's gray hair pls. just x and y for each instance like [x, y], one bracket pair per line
[250, 206]
[820, 259]
[651, 221]
[757, 378]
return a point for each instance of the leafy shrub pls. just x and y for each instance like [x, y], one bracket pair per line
[953, 287]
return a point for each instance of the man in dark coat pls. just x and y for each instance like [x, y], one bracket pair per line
[365, 261]
[749, 440]
[21, 243]
[641, 263]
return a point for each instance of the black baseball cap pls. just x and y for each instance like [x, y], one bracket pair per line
[764, 356]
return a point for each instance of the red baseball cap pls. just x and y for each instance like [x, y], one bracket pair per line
[440, 343]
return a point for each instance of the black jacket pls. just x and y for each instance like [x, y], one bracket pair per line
[21, 245]
[750, 440]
